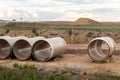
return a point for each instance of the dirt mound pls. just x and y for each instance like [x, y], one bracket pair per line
[86, 21]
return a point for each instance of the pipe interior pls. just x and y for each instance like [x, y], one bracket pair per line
[4, 49]
[42, 50]
[98, 50]
[22, 49]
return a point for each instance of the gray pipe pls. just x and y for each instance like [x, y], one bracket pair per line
[45, 49]
[5, 47]
[95, 51]
[6, 44]
[22, 48]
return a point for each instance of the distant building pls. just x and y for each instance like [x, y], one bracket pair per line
[4, 21]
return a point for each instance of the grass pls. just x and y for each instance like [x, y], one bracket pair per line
[7, 31]
[27, 72]
[34, 30]
[90, 34]
[23, 26]
[30, 72]
[16, 28]
[2, 24]
[90, 28]
[105, 76]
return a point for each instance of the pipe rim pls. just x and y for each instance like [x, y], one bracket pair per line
[16, 51]
[98, 60]
[103, 39]
[51, 53]
[10, 50]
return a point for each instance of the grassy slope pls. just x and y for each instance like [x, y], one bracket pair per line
[2, 24]
[92, 28]
[106, 26]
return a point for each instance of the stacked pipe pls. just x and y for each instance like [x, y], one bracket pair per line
[95, 51]
[23, 48]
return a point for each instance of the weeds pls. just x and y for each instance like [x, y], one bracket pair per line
[2, 34]
[90, 34]
[68, 28]
[34, 30]
[27, 72]
[30, 72]
[105, 76]
[53, 34]
[70, 31]
[7, 31]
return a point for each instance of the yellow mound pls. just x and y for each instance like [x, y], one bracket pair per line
[86, 21]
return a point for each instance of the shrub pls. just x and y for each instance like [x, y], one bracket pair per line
[90, 34]
[7, 31]
[34, 30]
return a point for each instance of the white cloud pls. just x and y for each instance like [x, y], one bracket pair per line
[30, 14]
[89, 1]
[101, 10]
[71, 15]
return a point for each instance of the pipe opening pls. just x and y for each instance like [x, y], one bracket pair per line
[98, 50]
[22, 49]
[42, 50]
[5, 49]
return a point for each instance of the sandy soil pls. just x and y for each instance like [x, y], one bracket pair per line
[70, 36]
[76, 60]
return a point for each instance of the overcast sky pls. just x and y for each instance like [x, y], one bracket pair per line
[60, 10]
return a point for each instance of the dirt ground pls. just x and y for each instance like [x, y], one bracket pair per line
[75, 57]
[70, 36]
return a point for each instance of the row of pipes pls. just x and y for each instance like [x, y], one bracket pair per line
[43, 49]
[23, 48]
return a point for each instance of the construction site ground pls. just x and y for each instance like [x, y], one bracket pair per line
[75, 57]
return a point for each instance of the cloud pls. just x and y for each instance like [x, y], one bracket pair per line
[48, 15]
[72, 16]
[11, 13]
[101, 10]
[100, 14]
[89, 1]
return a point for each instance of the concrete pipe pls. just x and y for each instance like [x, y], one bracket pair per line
[22, 48]
[5, 47]
[45, 49]
[101, 48]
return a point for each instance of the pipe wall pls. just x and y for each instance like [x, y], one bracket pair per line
[22, 48]
[5, 47]
[95, 51]
[45, 49]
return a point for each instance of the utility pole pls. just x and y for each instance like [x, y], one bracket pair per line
[21, 19]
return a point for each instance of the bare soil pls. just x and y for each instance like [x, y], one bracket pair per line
[71, 37]
[75, 57]
[86, 21]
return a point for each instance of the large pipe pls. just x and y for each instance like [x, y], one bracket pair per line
[22, 48]
[45, 49]
[5, 47]
[99, 54]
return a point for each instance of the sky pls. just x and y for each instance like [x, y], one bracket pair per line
[60, 10]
